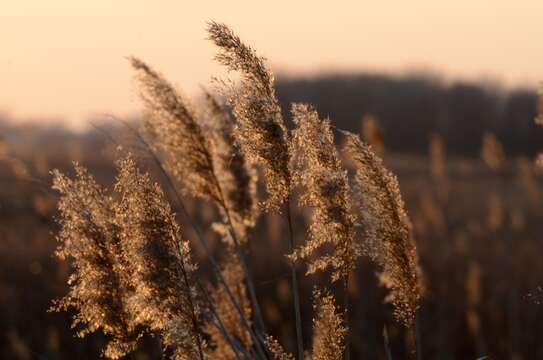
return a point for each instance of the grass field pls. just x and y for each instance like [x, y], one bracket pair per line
[478, 243]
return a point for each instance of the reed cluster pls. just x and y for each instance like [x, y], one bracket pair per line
[133, 273]
[132, 270]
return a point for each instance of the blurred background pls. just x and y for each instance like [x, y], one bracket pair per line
[446, 92]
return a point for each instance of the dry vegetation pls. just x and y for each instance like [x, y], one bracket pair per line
[227, 234]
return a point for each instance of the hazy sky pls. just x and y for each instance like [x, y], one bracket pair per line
[67, 57]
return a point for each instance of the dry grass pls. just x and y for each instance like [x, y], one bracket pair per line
[133, 271]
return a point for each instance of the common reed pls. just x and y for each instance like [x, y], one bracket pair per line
[496, 213]
[278, 352]
[437, 153]
[492, 152]
[160, 263]
[133, 271]
[387, 229]
[373, 134]
[473, 299]
[438, 167]
[172, 126]
[90, 237]
[238, 178]
[262, 133]
[329, 332]
[221, 349]
[316, 167]
[528, 180]
[178, 133]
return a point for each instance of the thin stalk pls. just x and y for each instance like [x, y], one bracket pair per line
[295, 288]
[235, 346]
[412, 342]
[418, 343]
[213, 262]
[347, 314]
[248, 275]
[233, 343]
[239, 251]
[386, 343]
[192, 310]
[221, 279]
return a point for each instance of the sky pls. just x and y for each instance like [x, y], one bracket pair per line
[66, 59]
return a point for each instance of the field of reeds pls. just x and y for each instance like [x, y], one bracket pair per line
[217, 229]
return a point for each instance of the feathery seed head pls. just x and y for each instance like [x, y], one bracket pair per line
[328, 329]
[237, 56]
[372, 133]
[237, 178]
[90, 238]
[316, 168]
[161, 268]
[492, 151]
[173, 127]
[261, 131]
[277, 350]
[437, 157]
[438, 166]
[387, 228]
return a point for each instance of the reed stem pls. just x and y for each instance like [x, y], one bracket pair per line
[347, 315]
[295, 288]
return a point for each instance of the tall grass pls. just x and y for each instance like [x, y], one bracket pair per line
[134, 275]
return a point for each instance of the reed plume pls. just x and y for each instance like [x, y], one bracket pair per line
[329, 331]
[132, 270]
[159, 262]
[173, 127]
[181, 137]
[438, 161]
[492, 152]
[527, 179]
[496, 212]
[316, 168]
[438, 167]
[208, 164]
[277, 351]
[261, 131]
[372, 134]
[237, 178]
[90, 237]
[387, 229]
[473, 298]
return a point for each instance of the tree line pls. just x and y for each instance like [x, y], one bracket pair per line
[410, 108]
